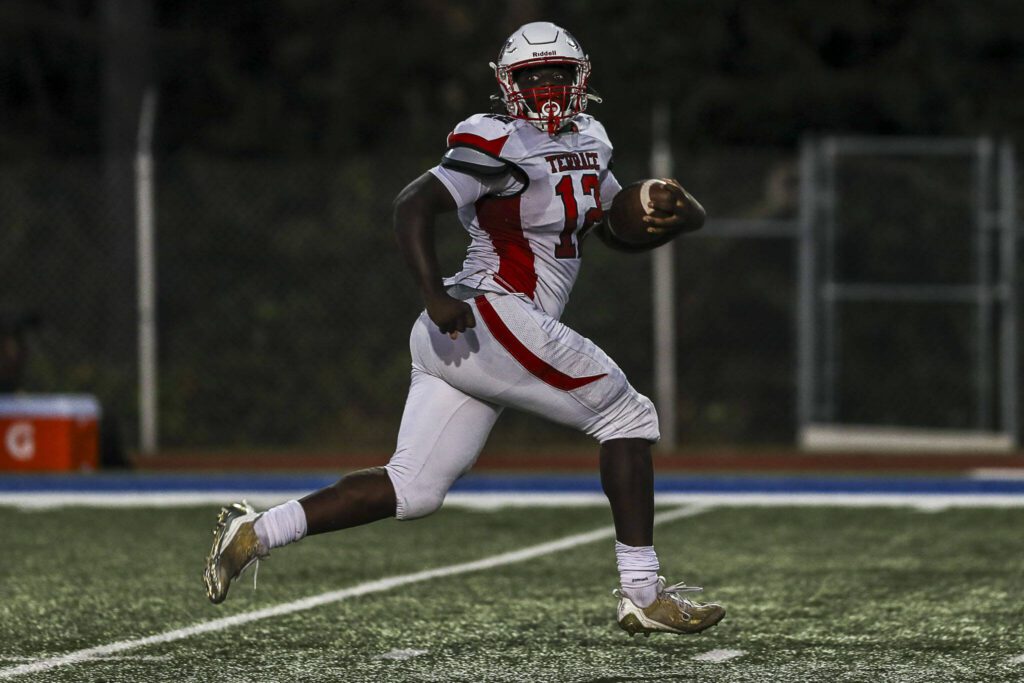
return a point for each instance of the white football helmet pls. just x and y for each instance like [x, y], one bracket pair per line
[542, 43]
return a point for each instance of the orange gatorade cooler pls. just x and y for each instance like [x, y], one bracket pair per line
[49, 432]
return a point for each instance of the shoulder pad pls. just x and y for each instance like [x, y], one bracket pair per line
[588, 125]
[486, 133]
[471, 160]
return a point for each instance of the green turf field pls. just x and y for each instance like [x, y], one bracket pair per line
[814, 594]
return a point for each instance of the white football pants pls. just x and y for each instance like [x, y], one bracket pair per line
[516, 356]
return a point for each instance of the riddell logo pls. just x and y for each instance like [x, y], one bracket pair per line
[549, 53]
[20, 441]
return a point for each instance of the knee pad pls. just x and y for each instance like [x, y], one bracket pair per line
[413, 499]
[632, 416]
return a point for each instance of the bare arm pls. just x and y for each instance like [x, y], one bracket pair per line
[415, 211]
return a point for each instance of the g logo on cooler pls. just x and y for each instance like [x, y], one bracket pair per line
[20, 440]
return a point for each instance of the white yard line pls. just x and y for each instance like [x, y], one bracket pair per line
[401, 655]
[926, 501]
[153, 499]
[718, 656]
[998, 473]
[106, 658]
[315, 601]
[496, 501]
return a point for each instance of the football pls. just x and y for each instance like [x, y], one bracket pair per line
[630, 207]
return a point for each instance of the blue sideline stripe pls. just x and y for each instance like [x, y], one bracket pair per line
[479, 483]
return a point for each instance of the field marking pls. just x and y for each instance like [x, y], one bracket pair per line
[513, 557]
[718, 655]
[997, 473]
[104, 658]
[401, 655]
[923, 501]
[133, 658]
[133, 499]
[496, 501]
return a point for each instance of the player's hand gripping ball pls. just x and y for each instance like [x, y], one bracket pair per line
[674, 211]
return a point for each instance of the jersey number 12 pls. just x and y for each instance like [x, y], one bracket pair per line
[591, 184]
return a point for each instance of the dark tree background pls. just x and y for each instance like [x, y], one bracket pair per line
[326, 78]
[284, 129]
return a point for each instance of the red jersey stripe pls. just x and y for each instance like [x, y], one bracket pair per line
[492, 147]
[535, 365]
[500, 218]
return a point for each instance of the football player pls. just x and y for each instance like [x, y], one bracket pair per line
[528, 186]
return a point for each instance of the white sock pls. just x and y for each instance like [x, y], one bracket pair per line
[638, 573]
[281, 525]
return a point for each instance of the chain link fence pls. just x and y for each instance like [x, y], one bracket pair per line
[284, 308]
[913, 316]
[905, 221]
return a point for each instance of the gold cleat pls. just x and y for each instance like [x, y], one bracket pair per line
[235, 547]
[670, 613]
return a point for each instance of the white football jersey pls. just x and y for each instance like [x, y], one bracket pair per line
[527, 199]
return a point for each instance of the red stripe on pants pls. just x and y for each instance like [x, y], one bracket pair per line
[535, 365]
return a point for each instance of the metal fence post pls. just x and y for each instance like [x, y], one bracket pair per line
[983, 297]
[146, 246]
[663, 282]
[1008, 276]
[805, 323]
